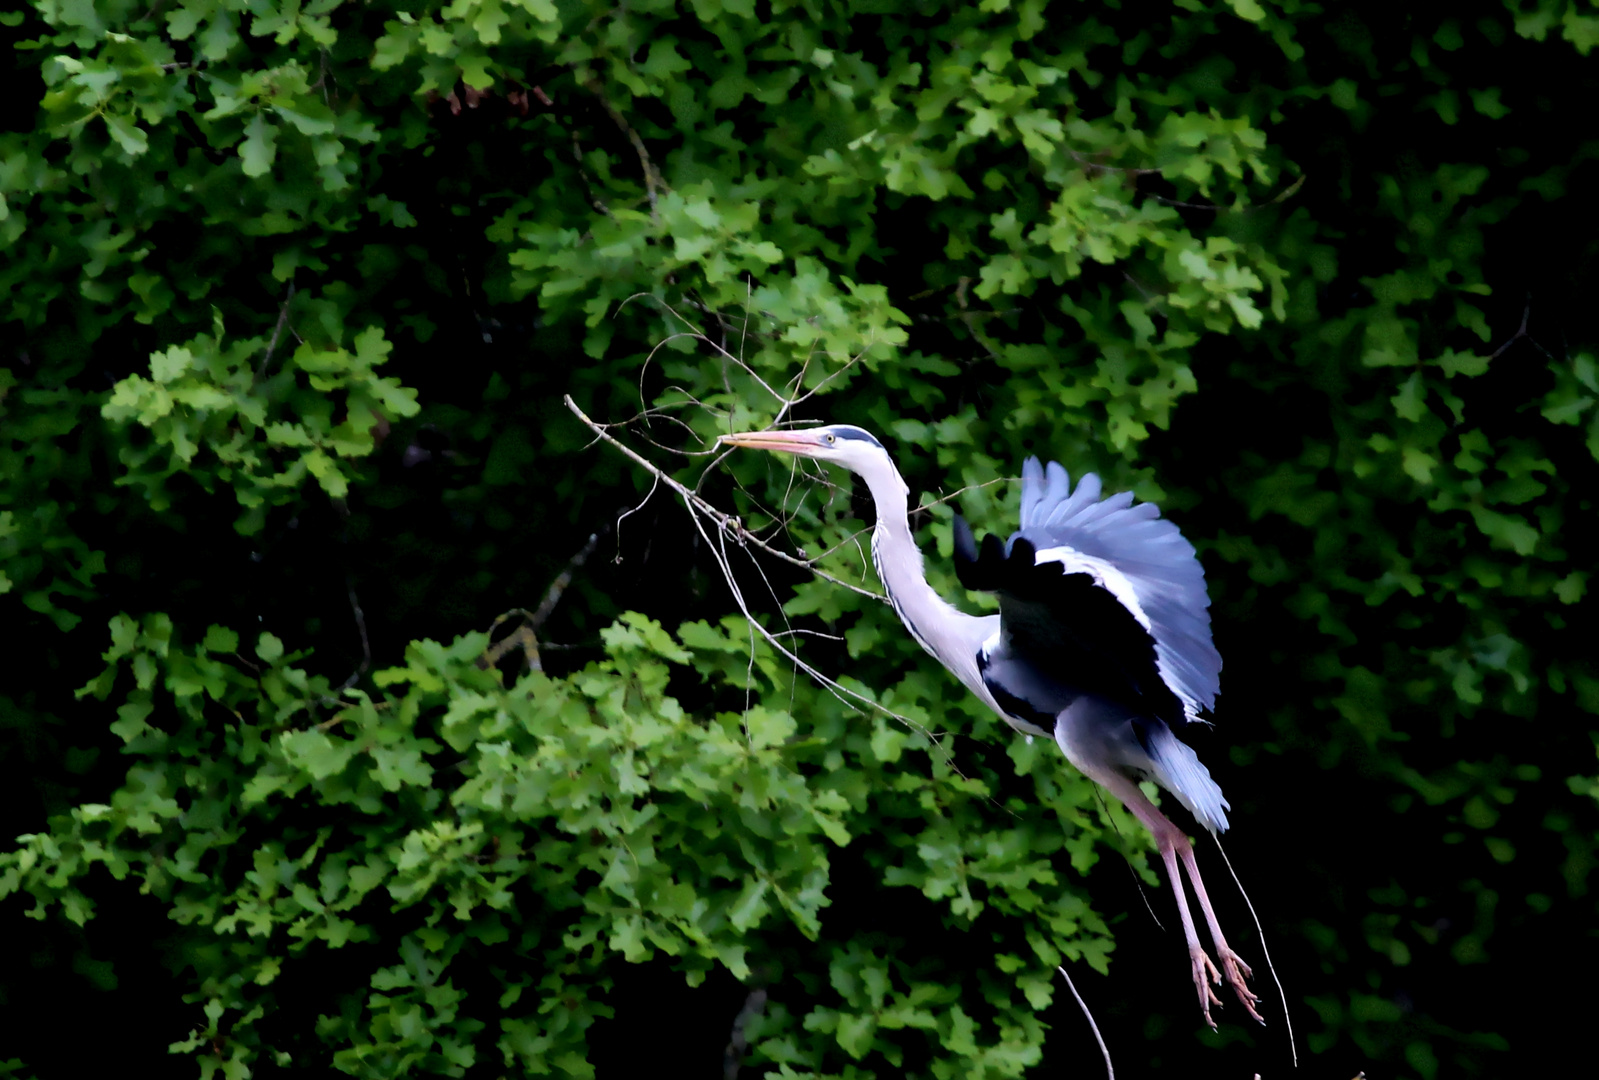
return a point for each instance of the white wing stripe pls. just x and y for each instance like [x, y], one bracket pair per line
[1105, 575]
[1108, 577]
[1160, 569]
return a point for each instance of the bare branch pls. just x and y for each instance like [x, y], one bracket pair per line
[728, 523]
[552, 595]
[733, 1056]
[652, 176]
[525, 636]
[1110, 1070]
[1520, 333]
[366, 644]
[277, 332]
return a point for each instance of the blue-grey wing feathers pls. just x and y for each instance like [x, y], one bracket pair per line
[1158, 565]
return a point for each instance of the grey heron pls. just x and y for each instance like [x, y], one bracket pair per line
[1102, 642]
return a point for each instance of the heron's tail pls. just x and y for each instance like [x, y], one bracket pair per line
[1178, 769]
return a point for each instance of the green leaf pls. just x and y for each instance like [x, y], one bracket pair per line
[259, 148]
[855, 1034]
[766, 728]
[127, 134]
[219, 639]
[307, 115]
[269, 648]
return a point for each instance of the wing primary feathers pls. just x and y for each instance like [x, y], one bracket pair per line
[1157, 563]
[1108, 582]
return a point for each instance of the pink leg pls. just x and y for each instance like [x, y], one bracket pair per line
[1232, 964]
[1174, 846]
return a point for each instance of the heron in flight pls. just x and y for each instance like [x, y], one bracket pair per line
[1102, 642]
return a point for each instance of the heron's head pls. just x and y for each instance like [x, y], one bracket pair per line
[843, 444]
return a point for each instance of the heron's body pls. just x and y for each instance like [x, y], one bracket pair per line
[1102, 641]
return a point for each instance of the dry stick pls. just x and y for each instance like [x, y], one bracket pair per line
[617, 524]
[1110, 1070]
[698, 334]
[725, 521]
[837, 689]
[1265, 952]
[526, 635]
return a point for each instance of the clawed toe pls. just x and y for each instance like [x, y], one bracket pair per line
[1205, 977]
[1237, 972]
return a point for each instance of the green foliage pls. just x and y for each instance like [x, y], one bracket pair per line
[1264, 262]
[268, 433]
[538, 829]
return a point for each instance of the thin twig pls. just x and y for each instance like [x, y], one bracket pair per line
[652, 177]
[728, 523]
[1083, 160]
[1526, 313]
[525, 636]
[366, 644]
[552, 595]
[1127, 858]
[277, 332]
[583, 175]
[624, 515]
[1248, 208]
[1110, 1070]
[1287, 193]
[833, 686]
[1293, 1050]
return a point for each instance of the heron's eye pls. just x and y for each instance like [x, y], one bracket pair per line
[831, 440]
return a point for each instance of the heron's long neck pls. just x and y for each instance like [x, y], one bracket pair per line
[936, 625]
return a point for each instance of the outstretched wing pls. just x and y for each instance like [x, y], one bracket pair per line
[1106, 596]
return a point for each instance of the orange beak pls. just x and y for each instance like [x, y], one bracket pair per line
[803, 443]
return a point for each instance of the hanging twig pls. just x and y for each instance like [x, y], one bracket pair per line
[1110, 1070]
[1249, 208]
[1293, 1050]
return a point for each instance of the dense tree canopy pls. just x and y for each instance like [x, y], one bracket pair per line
[293, 291]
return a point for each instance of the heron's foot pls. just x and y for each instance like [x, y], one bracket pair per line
[1237, 971]
[1205, 977]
